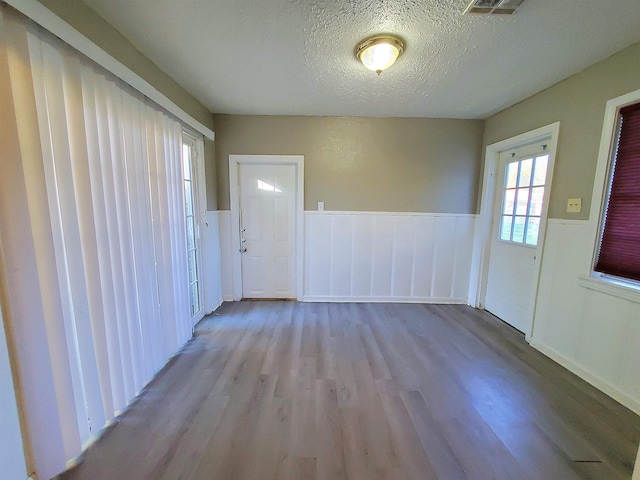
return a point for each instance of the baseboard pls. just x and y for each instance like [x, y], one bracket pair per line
[216, 305]
[629, 402]
[227, 298]
[349, 299]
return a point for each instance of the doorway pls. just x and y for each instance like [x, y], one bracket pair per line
[509, 238]
[267, 225]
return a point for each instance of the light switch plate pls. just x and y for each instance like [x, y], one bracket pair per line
[574, 205]
[321, 206]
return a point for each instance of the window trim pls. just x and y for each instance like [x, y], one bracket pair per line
[599, 199]
[44, 17]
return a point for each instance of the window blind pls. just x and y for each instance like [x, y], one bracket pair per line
[619, 252]
[101, 167]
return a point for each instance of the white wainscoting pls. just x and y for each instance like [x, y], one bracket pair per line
[378, 257]
[592, 333]
[211, 258]
[224, 222]
[387, 257]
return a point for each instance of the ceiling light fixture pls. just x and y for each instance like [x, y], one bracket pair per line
[380, 52]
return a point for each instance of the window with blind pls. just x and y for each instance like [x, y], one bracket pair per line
[619, 252]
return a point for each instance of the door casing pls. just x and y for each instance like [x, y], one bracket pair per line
[482, 237]
[234, 189]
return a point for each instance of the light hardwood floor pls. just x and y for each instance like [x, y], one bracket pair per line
[285, 390]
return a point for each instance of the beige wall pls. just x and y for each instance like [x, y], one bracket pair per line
[578, 103]
[91, 25]
[364, 164]
[210, 174]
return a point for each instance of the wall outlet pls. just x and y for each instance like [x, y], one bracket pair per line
[321, 206]
[574, 205]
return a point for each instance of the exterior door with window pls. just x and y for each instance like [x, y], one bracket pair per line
[191, 175]
[517, 236]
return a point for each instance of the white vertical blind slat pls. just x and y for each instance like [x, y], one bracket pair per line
[71, 245]
[163, 234]
[71, 433]
[118, 240]
[139, 213]
[148, 283]
[112, 283]
[86, 279]
[127, 238]
[106, 339]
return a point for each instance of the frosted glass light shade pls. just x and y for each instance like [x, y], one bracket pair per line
[380, 52]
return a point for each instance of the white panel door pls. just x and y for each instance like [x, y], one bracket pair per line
[517, 235]
[267, 230]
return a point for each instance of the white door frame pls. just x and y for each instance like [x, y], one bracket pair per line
[483, 231]
[234, 189]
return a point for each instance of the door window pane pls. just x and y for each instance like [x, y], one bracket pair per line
[191, 237]
[518, 229]
[540, 172]
[537, 196]
[188, 197]
[509, 199]
[523, 201]
[533, 225]
[186, 164]
[523, 197]
[524, 178]
[505, 231]
[194, 292]
[512, 174]
[193, 266]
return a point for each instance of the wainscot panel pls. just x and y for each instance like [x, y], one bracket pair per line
[224, 223]
[387, 257]
[211, 257]
[590, 332]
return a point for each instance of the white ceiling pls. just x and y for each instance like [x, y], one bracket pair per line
[295, 57]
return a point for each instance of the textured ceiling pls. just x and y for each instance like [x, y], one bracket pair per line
[295, 57]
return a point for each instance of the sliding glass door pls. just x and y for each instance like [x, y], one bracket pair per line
[192, 175]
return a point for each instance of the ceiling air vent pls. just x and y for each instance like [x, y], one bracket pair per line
[493, 7]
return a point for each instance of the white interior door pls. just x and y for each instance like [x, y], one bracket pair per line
[267, 230]
[520, 207]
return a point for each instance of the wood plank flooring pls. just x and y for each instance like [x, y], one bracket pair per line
[293, 391]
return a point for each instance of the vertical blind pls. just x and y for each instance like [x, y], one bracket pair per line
[619, 252]
[114, 190]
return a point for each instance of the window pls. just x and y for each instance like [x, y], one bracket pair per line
[619, 249]
[522, 199]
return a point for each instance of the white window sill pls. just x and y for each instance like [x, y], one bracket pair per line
[611, 286]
